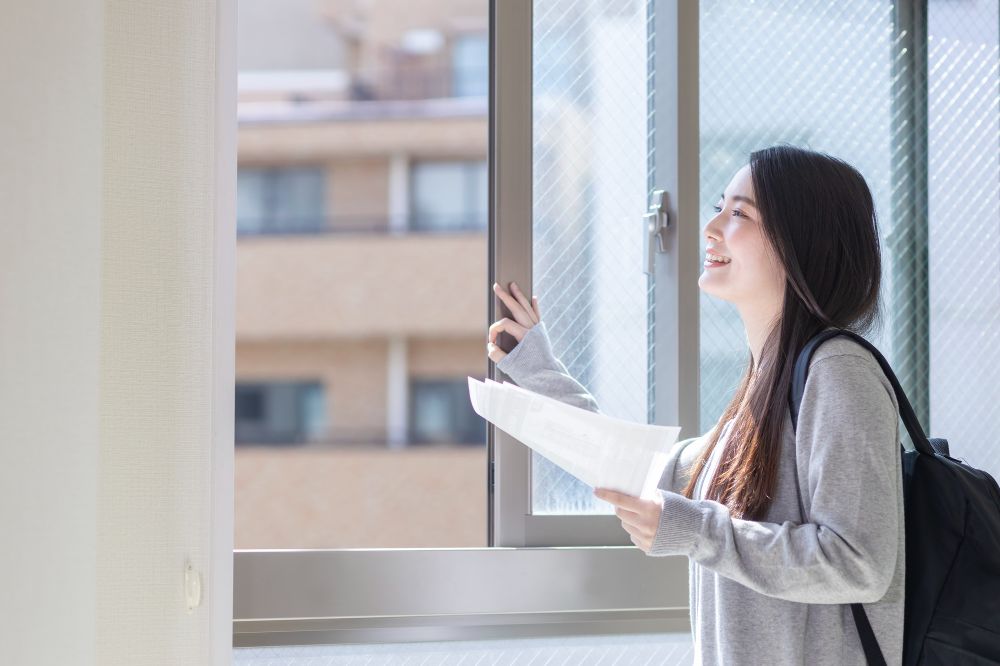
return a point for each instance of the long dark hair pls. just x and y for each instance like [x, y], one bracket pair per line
[818, 215]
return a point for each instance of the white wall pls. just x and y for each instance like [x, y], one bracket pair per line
[117, 170]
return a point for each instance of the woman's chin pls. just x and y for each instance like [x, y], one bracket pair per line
[705, 283]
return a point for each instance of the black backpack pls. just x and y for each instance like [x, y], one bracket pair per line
[952, 525]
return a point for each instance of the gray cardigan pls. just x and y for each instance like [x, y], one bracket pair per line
[777, 591]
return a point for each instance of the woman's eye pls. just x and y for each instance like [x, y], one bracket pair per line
[736, 211]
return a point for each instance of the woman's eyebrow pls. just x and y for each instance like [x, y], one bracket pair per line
[740, 198]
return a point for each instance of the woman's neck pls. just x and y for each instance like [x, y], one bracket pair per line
[757, 320]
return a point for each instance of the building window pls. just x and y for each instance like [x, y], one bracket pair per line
[448, 195]
[470, 65]
[440, 413]
[280, 200]
[280, 412]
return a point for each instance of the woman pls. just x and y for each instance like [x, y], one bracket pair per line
[783, 530]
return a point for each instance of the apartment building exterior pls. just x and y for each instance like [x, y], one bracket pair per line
[361, 274]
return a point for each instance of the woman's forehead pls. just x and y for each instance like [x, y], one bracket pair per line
[741, 178]
[740, 183]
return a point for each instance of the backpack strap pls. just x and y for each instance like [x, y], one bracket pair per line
[873, 653]
[801, 370]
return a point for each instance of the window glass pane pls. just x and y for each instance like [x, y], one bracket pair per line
[479, 188]
[280, 199]
[432, 417]
[441, 412]
[471, 78]
[251, 208]
[590, 193]
[312, 410]
[249, 404]
[297, 199]
[353, 345]
[279, 412]
[449, 195]
[964, 160]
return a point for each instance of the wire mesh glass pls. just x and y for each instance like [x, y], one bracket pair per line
[964, 233]
[590, 140]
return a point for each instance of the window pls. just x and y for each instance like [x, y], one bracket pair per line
[605, 112]
[279, 412]
[280, 200]
[962, 279]
[470, 69]
[448, 195]
[398, 321]
[440, 412]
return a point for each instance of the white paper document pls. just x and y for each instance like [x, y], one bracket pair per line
[602, 451]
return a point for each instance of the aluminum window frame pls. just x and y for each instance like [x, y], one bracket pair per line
[539, 575]
[676, 311]
[910, 337]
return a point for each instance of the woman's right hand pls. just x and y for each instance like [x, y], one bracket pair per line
[525, 315]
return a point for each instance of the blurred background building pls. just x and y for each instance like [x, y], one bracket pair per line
[361, 306]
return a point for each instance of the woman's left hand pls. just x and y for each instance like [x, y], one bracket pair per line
[640, 517]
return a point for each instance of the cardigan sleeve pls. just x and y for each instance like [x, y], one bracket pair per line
[847, 447]
[533, 366]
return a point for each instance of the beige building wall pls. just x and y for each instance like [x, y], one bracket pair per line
[361, 286]
[358, 192]
[432, 357]
[459, 136]
[427, 497]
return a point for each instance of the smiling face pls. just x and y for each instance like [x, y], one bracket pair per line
[751, 275]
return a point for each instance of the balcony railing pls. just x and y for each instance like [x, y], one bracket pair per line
[361, 438]
[402, 82]
[406, 91]
[414, 81]
[361, 224]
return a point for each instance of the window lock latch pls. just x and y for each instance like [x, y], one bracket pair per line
[654, 229]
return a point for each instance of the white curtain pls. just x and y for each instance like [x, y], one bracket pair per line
[117, 235]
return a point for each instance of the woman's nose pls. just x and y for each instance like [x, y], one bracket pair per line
[711, 231]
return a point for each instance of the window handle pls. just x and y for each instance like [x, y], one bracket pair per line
[655, 224]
